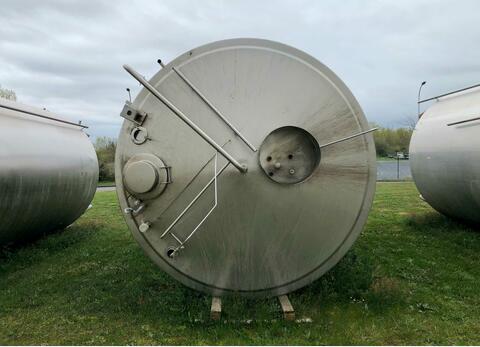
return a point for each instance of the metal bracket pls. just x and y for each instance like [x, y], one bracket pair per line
[132, 114]
[135, 211]
[169, 174]
[139, 135]
[464, 121]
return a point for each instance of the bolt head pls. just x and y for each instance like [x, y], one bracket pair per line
[144, 227]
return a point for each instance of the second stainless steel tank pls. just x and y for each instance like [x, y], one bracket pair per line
[48, 172]
[445, 155]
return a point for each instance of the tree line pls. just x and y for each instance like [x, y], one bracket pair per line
[390, 141]
[105, 148]
[7, 94]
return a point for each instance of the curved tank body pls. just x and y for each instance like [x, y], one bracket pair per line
[245, 166]
[48, 172]
[445, 157]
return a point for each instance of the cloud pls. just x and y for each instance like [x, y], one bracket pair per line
[67, 55]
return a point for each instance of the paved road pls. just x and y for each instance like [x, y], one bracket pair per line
[105, 189]
[387, 170]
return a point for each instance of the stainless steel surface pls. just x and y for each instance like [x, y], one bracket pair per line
[182, 243]
[445, 160]
[214, 109]
[195, 199]
[264, 238]
[48, 172]
[183, 117]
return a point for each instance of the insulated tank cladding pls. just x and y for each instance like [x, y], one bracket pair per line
[445, 155]
[48, 172]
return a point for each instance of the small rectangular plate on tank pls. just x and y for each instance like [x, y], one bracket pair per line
[132, 114]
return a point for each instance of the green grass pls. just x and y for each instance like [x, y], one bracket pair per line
[413, 277]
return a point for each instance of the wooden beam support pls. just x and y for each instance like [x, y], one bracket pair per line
[287, 308]
[216, 308]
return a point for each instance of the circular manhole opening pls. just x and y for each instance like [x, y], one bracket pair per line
[289, 154]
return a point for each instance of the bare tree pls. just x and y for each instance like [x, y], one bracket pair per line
[409, 122]
[7, 94]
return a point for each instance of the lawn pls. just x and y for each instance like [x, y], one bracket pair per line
[413, 277]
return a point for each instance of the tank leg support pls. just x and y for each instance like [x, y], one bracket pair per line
[216, 308]
[287, 308]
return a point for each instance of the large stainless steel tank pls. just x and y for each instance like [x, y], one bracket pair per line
[445, 155]
[48, 172]
[245, 166]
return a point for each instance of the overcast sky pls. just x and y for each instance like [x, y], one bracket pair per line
[67, 56]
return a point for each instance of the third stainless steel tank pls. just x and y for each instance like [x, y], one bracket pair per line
[445, 155]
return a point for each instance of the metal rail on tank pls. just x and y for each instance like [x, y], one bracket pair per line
[245, 166]
[48, 172]
[445, 154]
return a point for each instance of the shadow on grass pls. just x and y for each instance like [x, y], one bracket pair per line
[353, 279]
[437, 221]
[135, 287]
[50, 243]
[98, 278]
